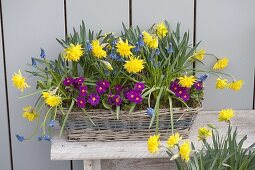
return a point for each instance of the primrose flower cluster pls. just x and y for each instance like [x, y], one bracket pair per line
[115, 96]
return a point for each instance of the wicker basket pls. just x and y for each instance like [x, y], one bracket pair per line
[129, 127]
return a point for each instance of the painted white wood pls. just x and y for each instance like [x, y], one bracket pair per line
[29, 25]
[87, 164]
[92, 164]
[138, 164]
[227, 28]
[5, 162]
[107, 15]
[63, 150]
[148, 12]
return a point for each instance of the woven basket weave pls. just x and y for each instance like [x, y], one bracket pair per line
[129, 127]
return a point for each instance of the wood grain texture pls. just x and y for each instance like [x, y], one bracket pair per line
[62, 150]
[5, 162]
[227, 28]
[29, 25]
[138, 164]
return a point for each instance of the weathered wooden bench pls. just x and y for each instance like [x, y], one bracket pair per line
[93, 152]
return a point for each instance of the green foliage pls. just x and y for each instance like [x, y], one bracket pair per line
[225, 153]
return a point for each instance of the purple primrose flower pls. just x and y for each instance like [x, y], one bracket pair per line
[83, 91]
[117, 100]
[94, 99]
[81, 102]
[68, 81]
[139, 86]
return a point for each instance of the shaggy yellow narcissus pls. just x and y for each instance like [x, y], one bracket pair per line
[221, 83]
[187, 81]
[29, 113]
[153, 143]
[236, 85]
[134, 65]
[73, 52]
[51, 99]
[97, 50]
[123, 48]
[161, 29]
[149, 40]
[19, 81]
[221, 64]
[185, 151]
[45, 94]
[174, 140]
[226, 115]
[199, 55]
[204, 133]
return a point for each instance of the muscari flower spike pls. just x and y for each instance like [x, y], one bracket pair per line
[150, 112]
[47, 138]
[52, 123]
[137, 48]
[157, 51]
[114, 42]
[140, 41]
[203, 77]
[42, 55]
[116, 57]
[88, 45]
[20, 138]
[33, 61]
[170, 49]
[40, 138]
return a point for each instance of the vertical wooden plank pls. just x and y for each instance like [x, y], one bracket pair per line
[226, 28]
[97, 15]
[5, 158]
[147, 12]
[29, 25]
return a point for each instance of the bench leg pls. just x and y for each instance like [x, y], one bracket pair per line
[92, 164]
